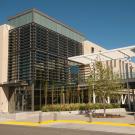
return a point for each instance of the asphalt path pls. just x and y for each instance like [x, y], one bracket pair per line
[22, 130]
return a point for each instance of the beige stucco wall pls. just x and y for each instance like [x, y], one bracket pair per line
[4, 29]
[87, 45]
[118, 68]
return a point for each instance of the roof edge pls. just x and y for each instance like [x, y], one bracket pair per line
[45, 15]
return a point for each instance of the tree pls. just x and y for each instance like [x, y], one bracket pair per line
[90, 82]
[78, 93]
[105, 82]
[52, 92]
[62, 98]
[45, 91]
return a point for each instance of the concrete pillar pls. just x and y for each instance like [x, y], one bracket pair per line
[11, 99]
[129, 101]
[4, 32]
[133, 94]
[3, 99]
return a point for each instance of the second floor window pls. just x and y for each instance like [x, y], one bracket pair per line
[92, 49]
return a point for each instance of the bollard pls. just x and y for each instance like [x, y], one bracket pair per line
[55, 116]
[14, 117]
[40, 117]
[90, 116]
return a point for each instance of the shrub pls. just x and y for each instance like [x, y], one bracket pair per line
[116, 105]
[77, 106]
[82, 107]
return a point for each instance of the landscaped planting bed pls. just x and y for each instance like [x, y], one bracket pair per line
[75, 107]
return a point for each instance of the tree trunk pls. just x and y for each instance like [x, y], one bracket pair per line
[52, 96]
[67, 96]
[78, 93]
[104, 104]
[89, 95]
[45, 92]
[82, 96]
[61, 95]
[52, 92]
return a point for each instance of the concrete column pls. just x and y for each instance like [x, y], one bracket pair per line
[133, 94]
[11, 98]
[129, 101]
[3, 99]
[4, 32]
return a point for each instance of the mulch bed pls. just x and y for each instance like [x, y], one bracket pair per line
[101, 115]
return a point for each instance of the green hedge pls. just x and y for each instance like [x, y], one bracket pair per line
[73, 107]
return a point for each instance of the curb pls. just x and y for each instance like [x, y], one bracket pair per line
[66, 121]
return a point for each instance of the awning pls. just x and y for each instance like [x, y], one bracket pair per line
[119, 53]
[14, 83]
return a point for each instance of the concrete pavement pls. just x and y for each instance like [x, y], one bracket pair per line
[110, 127]
[93, 127]
[124, 125]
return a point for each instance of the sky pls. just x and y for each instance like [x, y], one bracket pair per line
[108, 23]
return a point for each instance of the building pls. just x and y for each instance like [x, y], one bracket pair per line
[35, 67]
[38, 50]
[120, 63]
[4, 31]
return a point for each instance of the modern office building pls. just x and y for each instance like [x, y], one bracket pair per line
[39, 47]
[34, 52]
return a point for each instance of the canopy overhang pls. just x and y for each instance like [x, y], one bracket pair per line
[119, 53]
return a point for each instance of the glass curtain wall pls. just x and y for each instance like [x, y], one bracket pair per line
[39, 56]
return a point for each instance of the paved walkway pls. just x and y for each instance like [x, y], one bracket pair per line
[94, 127]
[125, 125]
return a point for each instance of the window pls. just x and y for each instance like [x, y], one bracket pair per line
[92, 49]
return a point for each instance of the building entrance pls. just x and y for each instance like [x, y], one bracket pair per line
[22, 100]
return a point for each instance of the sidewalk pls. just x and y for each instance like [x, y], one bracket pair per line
[124, 125]
[94, 127]
[50, 116]
[123, 128]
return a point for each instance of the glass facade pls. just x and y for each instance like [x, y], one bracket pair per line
[21, 20]
[39, 47]
[48, 22]
[38, 55]
[39, 71]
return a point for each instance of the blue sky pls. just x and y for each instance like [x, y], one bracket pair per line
[109, 23]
